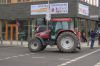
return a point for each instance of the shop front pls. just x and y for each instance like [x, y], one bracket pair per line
[15, 29]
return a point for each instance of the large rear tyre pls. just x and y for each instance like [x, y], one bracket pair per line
[67, 42]
[35, 45]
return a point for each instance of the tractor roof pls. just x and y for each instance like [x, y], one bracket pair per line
[61, 19]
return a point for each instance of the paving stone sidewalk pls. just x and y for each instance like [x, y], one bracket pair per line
[25, 44]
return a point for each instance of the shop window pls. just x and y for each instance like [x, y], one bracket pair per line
[19, 1]
[92, 2]
[3, 30]
[9, 1]
[23, 29]
[82, 25]
[26, 0]
[41, 21]
[2, 1]
[89, 27]
[39, 0]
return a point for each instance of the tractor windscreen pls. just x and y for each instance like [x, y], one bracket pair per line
[41, 25]
[41, 28]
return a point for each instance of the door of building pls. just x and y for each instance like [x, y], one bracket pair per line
[11, 32]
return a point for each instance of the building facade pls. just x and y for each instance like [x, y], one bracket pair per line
[17, 1]
[17, 21]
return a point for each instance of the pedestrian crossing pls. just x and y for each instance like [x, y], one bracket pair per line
[98, 64]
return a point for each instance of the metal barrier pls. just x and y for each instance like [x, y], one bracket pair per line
[19, 43]
[1, 42]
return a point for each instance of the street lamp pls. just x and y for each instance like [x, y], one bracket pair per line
[48, 15]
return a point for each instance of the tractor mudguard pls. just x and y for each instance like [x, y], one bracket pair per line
[40, 39]
[61, 31]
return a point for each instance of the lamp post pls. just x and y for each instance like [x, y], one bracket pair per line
[48, 15]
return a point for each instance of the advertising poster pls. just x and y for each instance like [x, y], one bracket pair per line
[55, 8]
[83, 10]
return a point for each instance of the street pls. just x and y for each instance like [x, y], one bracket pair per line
[20, 56]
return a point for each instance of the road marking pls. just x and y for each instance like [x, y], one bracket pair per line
[76, 59]
[98, 64]
[21, 55]
[27, 54]
[14, 56]
[7, 58]
[38, 57]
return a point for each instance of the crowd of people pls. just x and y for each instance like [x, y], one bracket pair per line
[82, 37]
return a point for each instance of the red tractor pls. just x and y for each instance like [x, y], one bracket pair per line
[60, 32]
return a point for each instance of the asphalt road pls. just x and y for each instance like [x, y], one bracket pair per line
[20, 56]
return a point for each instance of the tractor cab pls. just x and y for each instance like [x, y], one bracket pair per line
[59, 25]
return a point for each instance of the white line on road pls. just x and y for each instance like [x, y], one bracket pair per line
[14, 56]
[98, 64]
[21, 55]
[27, 54]
[76, 59]
[7, 58]
[38, 57]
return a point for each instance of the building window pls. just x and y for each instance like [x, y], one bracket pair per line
[5, 1]
[8, 1]
[92, 2]
[39, 0]
[2, 1]
[19, 1]
[26, 0]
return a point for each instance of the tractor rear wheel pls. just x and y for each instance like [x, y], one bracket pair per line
[67, 42]
[35, 45]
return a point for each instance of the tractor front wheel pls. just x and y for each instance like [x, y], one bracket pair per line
[35, 45]
[67, 42]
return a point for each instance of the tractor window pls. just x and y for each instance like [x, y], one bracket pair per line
[64, 25]
[41, 28]
[67, 25]
[58, 26]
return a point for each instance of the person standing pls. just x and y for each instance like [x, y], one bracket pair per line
[78, 33]
[83, 35]
[92, 35]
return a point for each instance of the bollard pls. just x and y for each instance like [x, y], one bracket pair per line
[16, 42]
[11, 42]
[1, 41]
[87, 42]
[21, 42]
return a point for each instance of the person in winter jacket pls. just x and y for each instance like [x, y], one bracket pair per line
[92, 35]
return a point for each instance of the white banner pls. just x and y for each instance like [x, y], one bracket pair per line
[55, 8]
[83, 9]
